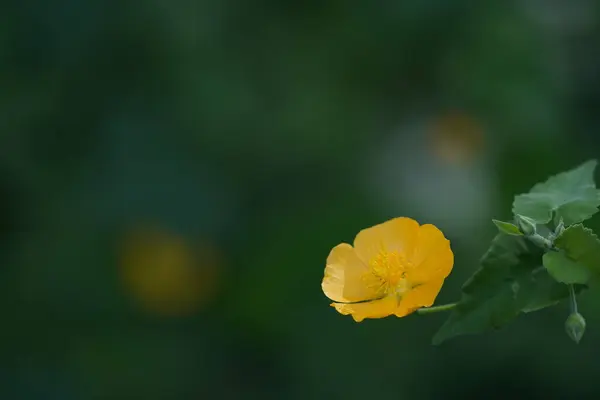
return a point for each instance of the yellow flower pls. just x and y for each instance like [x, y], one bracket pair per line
[394, 268]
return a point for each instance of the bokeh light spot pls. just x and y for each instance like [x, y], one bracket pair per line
[456, 137]
[166, 275]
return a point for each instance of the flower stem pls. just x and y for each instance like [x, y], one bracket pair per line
[573, 299]
[435, 309]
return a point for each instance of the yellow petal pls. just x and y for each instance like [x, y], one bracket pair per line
[432, 258]
[344, 273]
[398, 234]
[420, 296]
[372, 309]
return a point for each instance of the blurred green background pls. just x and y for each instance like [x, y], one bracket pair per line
[174, 174]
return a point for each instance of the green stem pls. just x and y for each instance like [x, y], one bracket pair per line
[435, 309]
[542, 242]
[573, 299]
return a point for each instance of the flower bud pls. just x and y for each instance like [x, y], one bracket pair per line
[526, 225]
[575, 326]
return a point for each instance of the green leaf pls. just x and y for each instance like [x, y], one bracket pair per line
[565, 270]
[581, 245]
[507, 227]
[511, 280]
[571, 194]
[546, 292]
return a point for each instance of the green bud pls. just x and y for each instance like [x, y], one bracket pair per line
[575, 326]
[526, 225]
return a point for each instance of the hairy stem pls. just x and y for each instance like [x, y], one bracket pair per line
[435, 309]
[573, 299]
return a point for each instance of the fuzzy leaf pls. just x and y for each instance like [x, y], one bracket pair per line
[581, 245]
[511, 280]
[572, 195]
[565, 270]
[507, 227]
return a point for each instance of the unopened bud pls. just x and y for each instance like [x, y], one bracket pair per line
[526, 225]
[575, 326]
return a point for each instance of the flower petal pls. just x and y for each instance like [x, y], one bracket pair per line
[432, 258]
[420, 296]
[372, 309]
[343, 280]
[398, 234]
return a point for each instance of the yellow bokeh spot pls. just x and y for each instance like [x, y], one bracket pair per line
[166, 274]
[456, 138]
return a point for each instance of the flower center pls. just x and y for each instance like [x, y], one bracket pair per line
[387, 273]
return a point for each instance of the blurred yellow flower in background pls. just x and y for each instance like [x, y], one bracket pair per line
[394, 268]
[456, 138]
[168, 276]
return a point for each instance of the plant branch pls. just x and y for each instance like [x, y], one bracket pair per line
[435, 309]
[573, 299]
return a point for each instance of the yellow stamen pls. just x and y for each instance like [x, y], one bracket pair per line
[387, 271]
